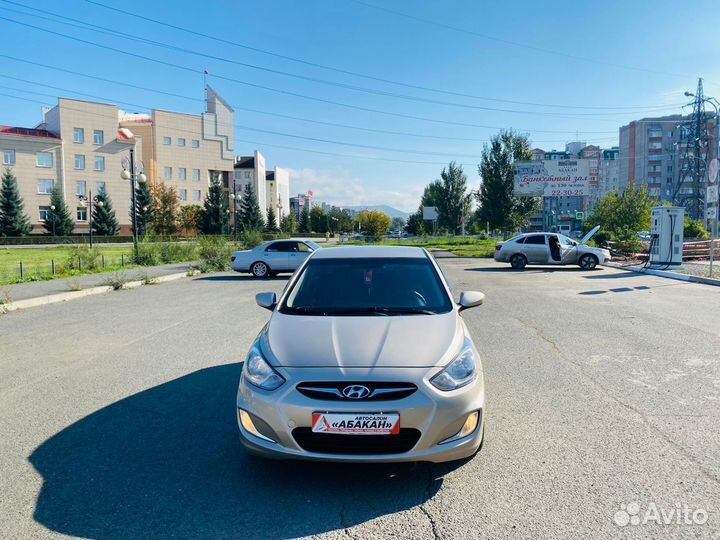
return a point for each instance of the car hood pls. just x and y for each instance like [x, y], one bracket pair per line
[362, 342]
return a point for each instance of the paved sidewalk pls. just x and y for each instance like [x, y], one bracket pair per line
[22, 291]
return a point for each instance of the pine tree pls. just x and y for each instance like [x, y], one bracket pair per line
[304, 225]
[145, 208]
[104, 220]
[59, 222]
[271, 221]
[250, 215]
[288, 223]
[215, 217]
[13, 221]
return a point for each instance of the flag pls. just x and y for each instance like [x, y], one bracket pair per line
[206, 72]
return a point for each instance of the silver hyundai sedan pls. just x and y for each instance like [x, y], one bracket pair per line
[365, 358]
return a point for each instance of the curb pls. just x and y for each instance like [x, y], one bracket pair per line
[667, 274]
[73, 295]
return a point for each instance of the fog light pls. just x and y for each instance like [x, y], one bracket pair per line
[469, 427]
[247, 423]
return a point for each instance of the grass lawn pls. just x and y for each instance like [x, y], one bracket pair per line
[460, 246]
[37, 262]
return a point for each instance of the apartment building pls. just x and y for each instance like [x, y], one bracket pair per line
[251, 170]
[302, 201]
[277, 187]
[609, 172]
[35, 157]
[185, 151]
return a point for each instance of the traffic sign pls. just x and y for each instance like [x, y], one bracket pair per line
[579, 215]
[711, 213]
[713, 171]
[712, 194]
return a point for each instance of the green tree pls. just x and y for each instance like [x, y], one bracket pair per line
[621, 216]
[165, 209]
[374, 223]
[497, 204]
[452, 199]
[145, 207]
[250, 216]
[104, 220]
[305, 226]
[271, 221]
[59, 222]
[215, 216]
[288, 223]
[189, 218]
[415, 225]
[340, 220]
[13, 221]
[318, 220]
[398, 223]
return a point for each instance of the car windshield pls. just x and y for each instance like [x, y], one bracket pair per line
[368, 286]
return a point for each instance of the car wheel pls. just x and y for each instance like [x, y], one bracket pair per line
[259, 269]
[588, 262]
[518, 262]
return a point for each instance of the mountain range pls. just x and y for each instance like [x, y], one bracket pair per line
[389, 210]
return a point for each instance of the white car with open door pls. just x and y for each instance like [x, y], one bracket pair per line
[550, 249]
[273, 257]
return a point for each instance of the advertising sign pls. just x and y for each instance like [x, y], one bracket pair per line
[552, 178]
[430, 213]
[712, 194]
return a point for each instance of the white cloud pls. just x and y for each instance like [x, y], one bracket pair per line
[343, 188]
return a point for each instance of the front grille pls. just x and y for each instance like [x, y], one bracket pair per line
[378, 391]
[334, 443]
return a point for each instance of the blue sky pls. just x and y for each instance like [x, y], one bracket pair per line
[599, 65]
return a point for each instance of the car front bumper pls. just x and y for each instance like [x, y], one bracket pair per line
[282, 415]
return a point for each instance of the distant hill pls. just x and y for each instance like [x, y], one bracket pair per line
[389, 210]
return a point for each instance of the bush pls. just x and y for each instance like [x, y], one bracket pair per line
[695, 228]
[214, 254]
[627, 242]
[251, 239]
[153, 250]
[147, 254]
[83, 258]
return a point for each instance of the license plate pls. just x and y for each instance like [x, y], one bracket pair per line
[356, 424]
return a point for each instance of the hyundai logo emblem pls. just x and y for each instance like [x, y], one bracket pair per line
[356, 391]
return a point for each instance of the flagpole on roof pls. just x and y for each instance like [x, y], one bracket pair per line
[205, 74]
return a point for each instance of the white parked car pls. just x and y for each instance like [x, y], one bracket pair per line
[271, 258]
[550, 248]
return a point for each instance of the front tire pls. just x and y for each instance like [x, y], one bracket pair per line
[588, 262]
[518, 262]
[259, 269]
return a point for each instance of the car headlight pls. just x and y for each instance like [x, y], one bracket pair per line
[458, 373]
[259, 373]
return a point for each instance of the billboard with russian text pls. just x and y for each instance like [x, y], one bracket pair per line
[552, 178]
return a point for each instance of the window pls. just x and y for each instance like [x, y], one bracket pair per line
[78, 135]
[654, 145]
[81, 213]
[81, 188]
[167, 174]
[45, 187]
[44, 213]
[79, 162]
[196, 175]
[276, 247]
[99, 163]
[44, 159]
[248, 174]
[655, 158]
[181, 141]
[302, 247]
[197, 195]
[98, 136]
[183, 194]
[8, 157]
[182, 173]
[669, 169]
[167, 141]
[195, 143]
[537, 239]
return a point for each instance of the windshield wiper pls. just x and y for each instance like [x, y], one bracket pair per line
[303, 311]
[377, 310]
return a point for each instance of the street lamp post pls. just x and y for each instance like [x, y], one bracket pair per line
[714, 220]
[87, 202]
[134, 177]
[52, 213]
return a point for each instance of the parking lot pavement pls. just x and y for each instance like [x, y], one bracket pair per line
[117, 420]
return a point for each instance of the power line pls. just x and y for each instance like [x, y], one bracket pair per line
[248, 109]
[128, 36]
[339, 70]
[284, 92]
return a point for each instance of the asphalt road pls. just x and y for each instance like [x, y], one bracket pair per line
[117, 420]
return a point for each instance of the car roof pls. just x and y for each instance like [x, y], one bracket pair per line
[359, 252]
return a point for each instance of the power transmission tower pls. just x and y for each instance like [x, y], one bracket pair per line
[693, 147]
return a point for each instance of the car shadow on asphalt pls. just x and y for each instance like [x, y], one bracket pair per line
[167, 463]
[239, 277]
[529, 270]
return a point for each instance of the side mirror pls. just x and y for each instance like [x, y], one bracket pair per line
[470, 299]
[574, 243]
[266, 300]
